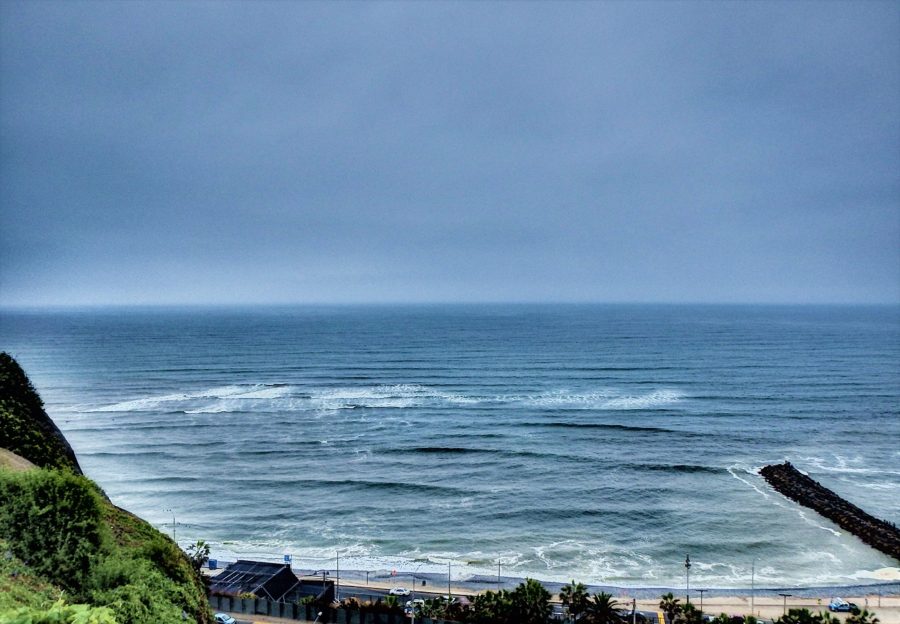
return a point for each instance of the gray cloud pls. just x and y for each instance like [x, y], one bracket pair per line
[239, 152]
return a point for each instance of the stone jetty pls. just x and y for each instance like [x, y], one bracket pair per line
[878, 534]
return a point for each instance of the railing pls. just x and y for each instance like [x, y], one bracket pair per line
[308, 612]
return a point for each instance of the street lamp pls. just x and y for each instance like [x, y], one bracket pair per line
[701, 599]
[687, 578]
[172, 511]
[784, 608]
[413, 593]
[752, 585]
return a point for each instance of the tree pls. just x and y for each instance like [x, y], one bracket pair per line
[670, 605]
[530, 603]
[574, 597]
[689, 615]
[863, 617]
[800, 616]
[602, 609]
[457, 611]
[198, 554]
[491, 607]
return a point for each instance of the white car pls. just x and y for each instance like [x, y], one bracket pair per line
[224, 618]
[399, 591]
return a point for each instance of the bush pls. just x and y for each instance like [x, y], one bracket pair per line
[61, 613]
[53, 522]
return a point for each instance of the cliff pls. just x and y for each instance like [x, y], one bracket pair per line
[65, 542]
[25, 428]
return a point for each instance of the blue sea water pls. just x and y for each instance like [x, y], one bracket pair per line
[600, 443]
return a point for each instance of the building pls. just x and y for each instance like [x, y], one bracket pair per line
[273, 581]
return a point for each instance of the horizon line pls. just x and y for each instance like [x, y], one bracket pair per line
[437, 303]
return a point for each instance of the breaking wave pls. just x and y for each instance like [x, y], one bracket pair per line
[288, 398]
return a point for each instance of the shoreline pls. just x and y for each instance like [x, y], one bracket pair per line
[436, 583]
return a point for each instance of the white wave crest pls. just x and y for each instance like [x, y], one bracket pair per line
[153, 402]
[287, 398]
[384, 396]
[600, 400]
[653, 399]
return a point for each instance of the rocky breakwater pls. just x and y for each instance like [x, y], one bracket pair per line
[878, 534]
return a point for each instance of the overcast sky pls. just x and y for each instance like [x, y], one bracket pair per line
[179, 152]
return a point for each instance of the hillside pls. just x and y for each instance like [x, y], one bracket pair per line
[71, 554]
[26, 429]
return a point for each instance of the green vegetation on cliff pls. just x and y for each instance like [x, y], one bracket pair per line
[25, 428]
[68, 554]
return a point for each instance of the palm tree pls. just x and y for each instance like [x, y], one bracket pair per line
[530, 603]
[434, 607]
[602, 609]
[491, 607]
[670, 605]
[457, 611]
[575, 597]
[800, 616]
[863, 617]
[689, 615]
[390, 604]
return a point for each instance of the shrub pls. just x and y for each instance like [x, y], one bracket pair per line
[52, 521]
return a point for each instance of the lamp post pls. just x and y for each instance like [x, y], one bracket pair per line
[784, 607]
[172, 511]
[498, 575]
[449, 592]
[687, 578]
[413, 593]
[752, 585]
[701, 599]
[337, 572]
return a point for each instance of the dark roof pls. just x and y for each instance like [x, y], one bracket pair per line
[266, 580]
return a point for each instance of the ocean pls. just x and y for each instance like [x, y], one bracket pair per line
[600, 443]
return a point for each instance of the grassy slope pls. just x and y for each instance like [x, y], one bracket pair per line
[136, 570]
[20, 587]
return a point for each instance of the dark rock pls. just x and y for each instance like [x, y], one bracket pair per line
[878, 534]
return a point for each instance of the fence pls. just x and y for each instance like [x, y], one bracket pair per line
[294, 611]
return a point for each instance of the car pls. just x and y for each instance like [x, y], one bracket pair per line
[399, 591]
[839, 604]
[223, 618]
